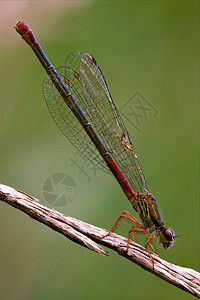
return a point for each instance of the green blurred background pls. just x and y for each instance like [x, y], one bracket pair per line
[149, 47]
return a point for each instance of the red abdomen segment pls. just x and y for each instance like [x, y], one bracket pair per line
[23, 29]
[120, 178]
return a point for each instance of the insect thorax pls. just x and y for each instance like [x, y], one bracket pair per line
[147, 208]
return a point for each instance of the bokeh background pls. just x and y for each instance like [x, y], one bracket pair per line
[146, 47]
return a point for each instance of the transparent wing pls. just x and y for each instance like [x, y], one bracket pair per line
[65, 119]
[86, 83]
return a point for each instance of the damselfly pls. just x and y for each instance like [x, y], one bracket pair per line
[81, 105]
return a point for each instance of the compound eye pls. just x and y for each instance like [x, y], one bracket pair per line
[169, 234]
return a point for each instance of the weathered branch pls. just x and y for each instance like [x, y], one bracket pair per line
[88, 235]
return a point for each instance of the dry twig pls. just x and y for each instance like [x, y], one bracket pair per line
[88, 235]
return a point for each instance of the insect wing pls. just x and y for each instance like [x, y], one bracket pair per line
[87, 85]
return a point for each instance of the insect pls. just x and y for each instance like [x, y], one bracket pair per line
[81, 105]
